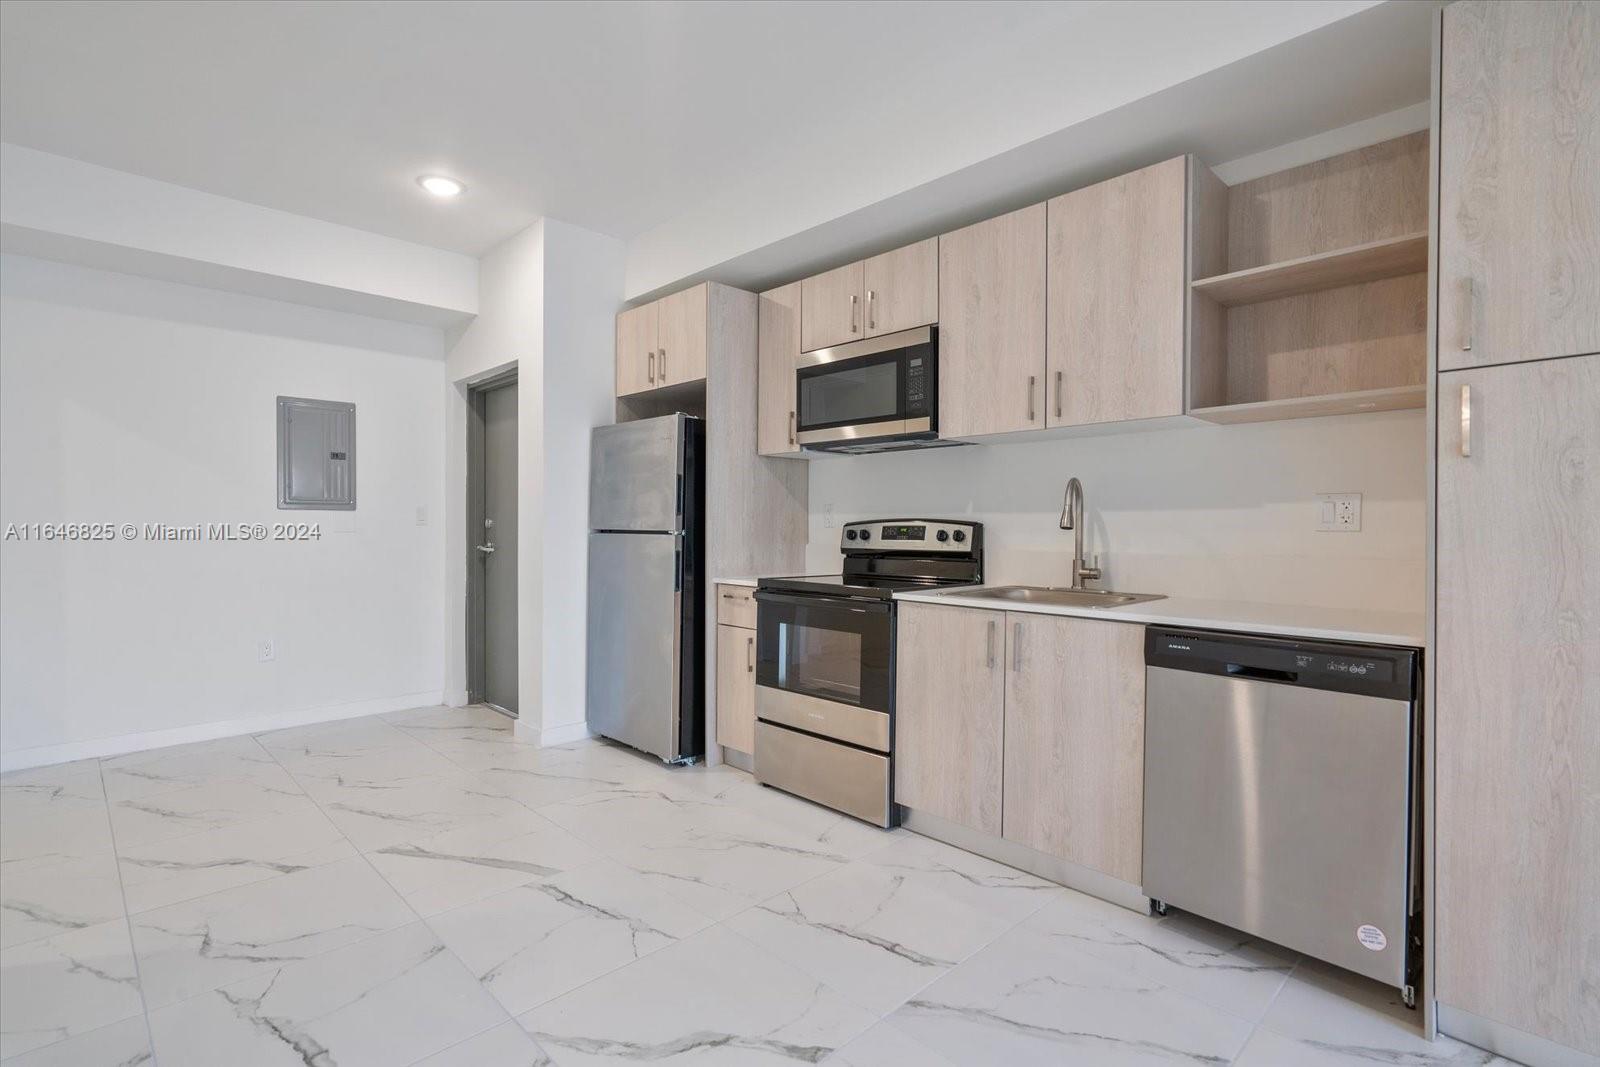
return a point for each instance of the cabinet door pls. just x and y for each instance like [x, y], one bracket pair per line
[736, 688]
[636, 344]
[1074, 740]
[777, 345]
[1517, 697]
[681, 342]
[830, 307]
[991, 325]
[1519, 182]
[1116, 298]
[949, 707]
[903, 288]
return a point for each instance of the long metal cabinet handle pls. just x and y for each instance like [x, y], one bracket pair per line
[750, 655]
[1466, 326]
[872, 318]
[992, 625]
[663, 365]
[1032, 381]
[650, 366]
[1059, 377]
[1466, 420]
[853, 327]
[1016, 646]
[791, 427]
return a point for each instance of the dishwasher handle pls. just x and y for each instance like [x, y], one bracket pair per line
[1240, 670]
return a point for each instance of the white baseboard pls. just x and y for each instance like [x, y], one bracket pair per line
[549, 736]
[44, 755]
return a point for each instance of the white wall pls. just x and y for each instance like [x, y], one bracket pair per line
[1210, 511]
[130, 400]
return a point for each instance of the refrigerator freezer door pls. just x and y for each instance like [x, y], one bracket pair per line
[634, 474]
[634, 629]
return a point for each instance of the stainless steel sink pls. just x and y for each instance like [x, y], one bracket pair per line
[1067, 598]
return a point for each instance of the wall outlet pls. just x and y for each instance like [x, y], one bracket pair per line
[422, 515]
[1339, 512]
[266, 651]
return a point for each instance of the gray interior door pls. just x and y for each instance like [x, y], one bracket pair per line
[500, 535]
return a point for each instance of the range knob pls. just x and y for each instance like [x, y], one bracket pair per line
[943, 535]
[849, 535]
[960, 536]
[866, 535]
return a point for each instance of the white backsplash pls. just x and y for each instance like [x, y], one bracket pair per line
[1223, 512]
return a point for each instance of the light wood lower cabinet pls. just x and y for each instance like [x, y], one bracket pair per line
[992, 325]
[949, 704]
[777, 349]
[1074, 740]
[1517, 697]
[736, 688]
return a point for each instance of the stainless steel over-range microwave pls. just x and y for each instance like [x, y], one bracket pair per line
[879, 394]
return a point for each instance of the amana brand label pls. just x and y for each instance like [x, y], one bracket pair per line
[1371, 937]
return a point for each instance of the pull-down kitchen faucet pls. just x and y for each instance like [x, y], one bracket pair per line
[1072, 519]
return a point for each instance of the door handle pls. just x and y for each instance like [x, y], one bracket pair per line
[1059, 377]
[853, 327]
[1466, 326]
[1466, 420]
[992, 625]
[1016, 650]
[650, 367]
[1032, 380]
[750, 655]
[791, 427]
[872, 318]
[487, 550]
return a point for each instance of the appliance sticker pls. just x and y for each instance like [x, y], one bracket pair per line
[1371, 937]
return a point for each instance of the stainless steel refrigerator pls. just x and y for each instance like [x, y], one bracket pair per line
[646, 640]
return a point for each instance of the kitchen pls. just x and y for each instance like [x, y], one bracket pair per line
[869, 534]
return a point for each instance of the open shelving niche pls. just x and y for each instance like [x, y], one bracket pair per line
[1309, 291]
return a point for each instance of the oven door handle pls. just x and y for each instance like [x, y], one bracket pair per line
[843, 603]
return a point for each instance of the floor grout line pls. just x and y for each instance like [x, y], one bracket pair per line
[127, 918]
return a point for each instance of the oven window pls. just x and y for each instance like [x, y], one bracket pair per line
[823, 663]
[821, 648]
[865, 391]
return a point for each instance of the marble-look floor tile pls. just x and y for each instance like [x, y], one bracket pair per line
[41, 901]
[389, 1000]
[457, 867]
[121, 1044]
[233, 759]
[712, 998]
[992, 888]
[886, 1046]
[540, 940]
[63, 787]
[616, 818]
[474, 724]
[216, 806]
[53, 834]
[1267, 1048]
[61, 986]
[539, 776]
[507, 1045]
[875, 935]
[176, 869]
[1020, 1001]
[1332, 1012]
[1223, 967]
[191, 948]
[326, 747]
[374, 819]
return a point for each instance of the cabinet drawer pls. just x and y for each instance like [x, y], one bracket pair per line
[736, 606]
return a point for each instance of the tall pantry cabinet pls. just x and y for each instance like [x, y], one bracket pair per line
[1516, 642]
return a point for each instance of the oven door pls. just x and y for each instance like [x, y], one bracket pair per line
[825, 664]
[880, 387]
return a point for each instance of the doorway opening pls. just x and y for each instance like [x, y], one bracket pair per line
[492, 544]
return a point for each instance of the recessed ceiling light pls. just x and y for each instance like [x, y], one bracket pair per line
[440, 186]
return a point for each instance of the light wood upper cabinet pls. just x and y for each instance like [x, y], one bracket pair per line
[636, 345]
[1517, 695]
[1074, 740]
[681, 340]
[736, 688]
[902, 288]
[1116, 298]
[949, 704]
[777, 348]
[831, 311]
[992, 325]
[1519, 182]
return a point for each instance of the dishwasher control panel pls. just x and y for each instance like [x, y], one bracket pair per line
[1364, 669]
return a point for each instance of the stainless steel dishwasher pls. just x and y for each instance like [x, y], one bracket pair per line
[1281, 793]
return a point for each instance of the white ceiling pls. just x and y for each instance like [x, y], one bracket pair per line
[613, 116]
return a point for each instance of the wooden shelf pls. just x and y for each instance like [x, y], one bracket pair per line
[1370, 262]
[1399, 398]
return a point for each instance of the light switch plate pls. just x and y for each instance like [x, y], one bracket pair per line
[1339, 512]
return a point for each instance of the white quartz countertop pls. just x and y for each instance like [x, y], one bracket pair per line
[736, 581]
[1240, 616]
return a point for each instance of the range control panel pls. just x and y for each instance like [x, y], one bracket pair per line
[911, 535]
